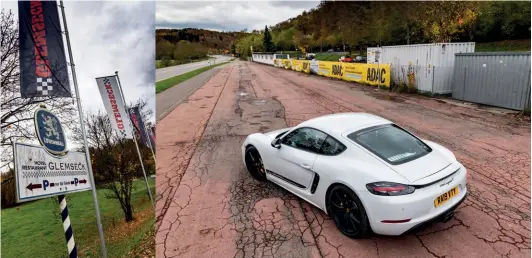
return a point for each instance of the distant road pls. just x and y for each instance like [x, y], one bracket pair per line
[167, 72]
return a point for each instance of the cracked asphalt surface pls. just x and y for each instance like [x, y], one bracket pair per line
[209, 206]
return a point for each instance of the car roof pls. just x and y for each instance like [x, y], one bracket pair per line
[339, 123]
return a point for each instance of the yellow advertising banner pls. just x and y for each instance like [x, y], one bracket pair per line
[330, 69]
[286, 64]
[301, 66]
[372, 74]
[295, 66]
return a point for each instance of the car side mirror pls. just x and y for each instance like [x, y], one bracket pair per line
[276, 143]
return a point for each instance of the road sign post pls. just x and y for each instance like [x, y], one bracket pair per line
[378, 59]
[69, 235]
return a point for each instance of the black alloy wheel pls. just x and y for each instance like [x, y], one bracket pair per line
[254, 164]
[347, 212]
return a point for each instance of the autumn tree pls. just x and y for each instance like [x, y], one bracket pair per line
[356, 25]
[115, 160]
[443, 20]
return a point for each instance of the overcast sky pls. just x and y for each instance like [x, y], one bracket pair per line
[228, 15]
[108, 37]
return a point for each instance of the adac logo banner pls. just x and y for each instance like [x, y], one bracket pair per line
[377, 74]
[372, 74]
[331, 69]
[354, 72]
[50, 132]
[301, 66]
[43, 66]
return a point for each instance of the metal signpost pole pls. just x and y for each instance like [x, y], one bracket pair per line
[136, 144]
[82, 124]
[378, 68]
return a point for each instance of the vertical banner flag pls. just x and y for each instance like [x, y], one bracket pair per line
[114, 105]
[43, 66]
[152, 137]
[136, 119]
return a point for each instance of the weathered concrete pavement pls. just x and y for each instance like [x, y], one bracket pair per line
[209, 206]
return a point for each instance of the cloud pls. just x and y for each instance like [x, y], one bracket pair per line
[108, 37]
[228, 16]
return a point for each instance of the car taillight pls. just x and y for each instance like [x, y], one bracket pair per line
[389, 188]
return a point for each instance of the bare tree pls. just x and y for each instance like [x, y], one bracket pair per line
[114, 159]
[17, 113]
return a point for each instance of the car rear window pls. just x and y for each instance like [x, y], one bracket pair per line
[391, 143]
[331, 147]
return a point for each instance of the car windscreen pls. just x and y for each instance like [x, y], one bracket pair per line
[391, 143]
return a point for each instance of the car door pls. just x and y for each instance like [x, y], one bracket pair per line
[295, 158]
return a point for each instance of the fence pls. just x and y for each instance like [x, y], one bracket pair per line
[497, 79]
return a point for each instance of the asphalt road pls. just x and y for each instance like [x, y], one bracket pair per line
[170, 98]
[209, 206]
[167, 72]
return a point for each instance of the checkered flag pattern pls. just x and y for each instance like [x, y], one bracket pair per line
[48, 173]
[44, 86]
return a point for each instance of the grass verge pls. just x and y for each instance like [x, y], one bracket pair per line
[163, 85]
[35, 229]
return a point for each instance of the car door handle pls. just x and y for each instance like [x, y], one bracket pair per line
[305, 166]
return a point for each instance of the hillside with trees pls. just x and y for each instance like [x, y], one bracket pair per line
[354, 26]
[176, 46]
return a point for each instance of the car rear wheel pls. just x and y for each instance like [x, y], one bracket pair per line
[347, 212]
[254, 164]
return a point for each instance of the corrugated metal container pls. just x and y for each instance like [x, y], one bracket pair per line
[499, 79]
[428, 66]
[371, 54]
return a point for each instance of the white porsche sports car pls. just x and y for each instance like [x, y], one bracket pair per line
[367, 173]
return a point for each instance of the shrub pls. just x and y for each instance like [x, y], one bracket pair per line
[9, 194]
[165, 61]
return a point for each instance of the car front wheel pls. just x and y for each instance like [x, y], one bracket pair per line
[254, 164]
[347, 212]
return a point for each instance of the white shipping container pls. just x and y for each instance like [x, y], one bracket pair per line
[429, 66]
